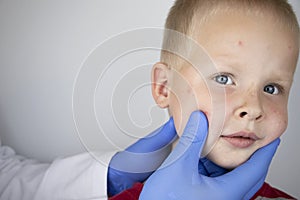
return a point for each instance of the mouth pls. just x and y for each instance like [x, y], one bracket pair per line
[241, 139]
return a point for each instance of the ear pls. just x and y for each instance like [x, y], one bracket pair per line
[160, 80]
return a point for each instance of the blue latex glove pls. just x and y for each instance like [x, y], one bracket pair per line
[138, 161]
[178, 177]
[210, 169]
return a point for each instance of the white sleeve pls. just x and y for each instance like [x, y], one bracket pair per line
[79, 177]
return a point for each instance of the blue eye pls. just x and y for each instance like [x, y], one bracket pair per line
[271, 89]
[223, 79]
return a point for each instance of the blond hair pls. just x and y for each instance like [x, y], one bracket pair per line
[187, 15]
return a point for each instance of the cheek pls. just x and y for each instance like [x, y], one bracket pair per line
[175, 111]
[278, 122]
[182, 104]
[205, 104]
[275, 124]
[185, 100]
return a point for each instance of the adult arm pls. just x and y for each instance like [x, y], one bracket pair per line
[82, 176]
[140, 160]
[77, 177]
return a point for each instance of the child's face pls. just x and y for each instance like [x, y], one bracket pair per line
[256, 66]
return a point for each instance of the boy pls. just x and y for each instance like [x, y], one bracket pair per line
[254, 45]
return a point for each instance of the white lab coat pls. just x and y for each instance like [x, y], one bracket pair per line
[78, 177]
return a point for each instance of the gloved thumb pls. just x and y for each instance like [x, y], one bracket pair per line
[156, 140]
[192, 140]
[252, 173]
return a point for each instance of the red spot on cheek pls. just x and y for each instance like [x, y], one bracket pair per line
[189, 90]
[240, 43]
[204, 111]
[206, 114]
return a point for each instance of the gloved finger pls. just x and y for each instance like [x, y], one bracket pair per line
[210, 169]
[192, 140]
[202, 169]
[156, 140]
[147, 154]
[251, 174]
[255, 188]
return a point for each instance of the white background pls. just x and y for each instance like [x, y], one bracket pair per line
[42, 47]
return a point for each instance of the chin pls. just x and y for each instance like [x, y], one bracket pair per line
[227, 162]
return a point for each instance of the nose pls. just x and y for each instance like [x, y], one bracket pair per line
[250, 108]
[250, 115]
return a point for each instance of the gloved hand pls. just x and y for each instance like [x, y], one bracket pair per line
[178, 177]
[139, 160]
[210, 169]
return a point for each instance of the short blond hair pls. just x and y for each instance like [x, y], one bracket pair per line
[185, 15]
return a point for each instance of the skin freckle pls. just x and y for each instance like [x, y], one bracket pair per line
[240, 43]
[206, 113]
[290, 48]
[189, 90]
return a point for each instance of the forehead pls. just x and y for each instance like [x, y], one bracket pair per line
[227, 34]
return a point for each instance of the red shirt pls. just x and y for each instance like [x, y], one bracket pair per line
[265, 191]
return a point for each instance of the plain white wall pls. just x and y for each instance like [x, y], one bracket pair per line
[43, 45]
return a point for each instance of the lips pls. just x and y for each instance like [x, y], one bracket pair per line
[240, 139]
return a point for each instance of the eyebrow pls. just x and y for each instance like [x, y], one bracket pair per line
[226, 65]
[222, 60]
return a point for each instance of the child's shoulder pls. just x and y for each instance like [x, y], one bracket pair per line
[265, 192]
[130, 194]
[269, 192]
